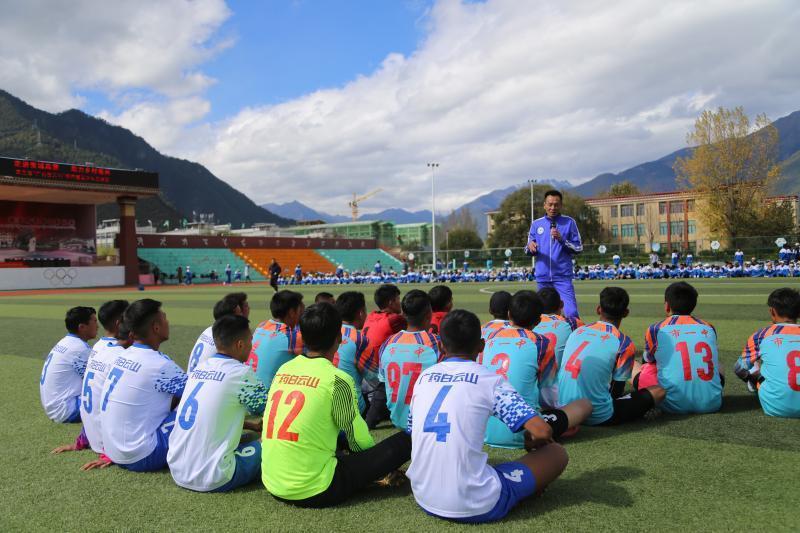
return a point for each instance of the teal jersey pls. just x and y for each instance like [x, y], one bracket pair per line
[594, 356]
[351, 358]
[557, 330]
[403, 357]
[775, 351]
[527, 360]
[684, 349]
[274, 343]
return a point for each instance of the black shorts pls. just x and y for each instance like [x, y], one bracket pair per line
[631, 407]
[556, 419]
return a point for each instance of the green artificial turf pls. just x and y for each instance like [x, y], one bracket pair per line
[735, 470]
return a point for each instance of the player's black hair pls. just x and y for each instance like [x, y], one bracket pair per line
[551, 300]
[416, 306]
[139, 316]
[498, 304]
[77, 316]
[461, 333]
[228, 329]
[525, 309]
[123, 332]
[320, 325]
[324, 297]
[441, 296]
[283, 302]
[785, 302]
[554, 192]
[110, 312]
[614, 301]
[385, 294]
[229, 303]
[349, 304]
[681, 297]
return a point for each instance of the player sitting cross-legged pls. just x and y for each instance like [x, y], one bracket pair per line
[598, 361]
[277, 340]
[770, 362]
[234, 303]
[451, 405]
[205, 453]
[554, 325]
[310, 403]
[353, 355]
[680, 355]
[526, 359]
[498, 308]
[407, 353]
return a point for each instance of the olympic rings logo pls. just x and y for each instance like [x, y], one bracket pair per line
[60, 276]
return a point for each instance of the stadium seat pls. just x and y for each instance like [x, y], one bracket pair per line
[260, 259]
[361, 260]
[202, 261]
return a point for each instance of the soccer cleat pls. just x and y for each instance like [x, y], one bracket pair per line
[653, 413]
[751, 387]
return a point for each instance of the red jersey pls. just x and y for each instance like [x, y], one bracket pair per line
[379, 326]
[436, 321]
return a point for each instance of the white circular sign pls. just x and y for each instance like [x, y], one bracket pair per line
[655, 247]
[780, 241]
[466, 253]
[602, 248]
[715, 245]
[411, 257]
[508, 252]
[540, 230]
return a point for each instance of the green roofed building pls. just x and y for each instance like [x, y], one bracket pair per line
[407, 234]
[379, 230]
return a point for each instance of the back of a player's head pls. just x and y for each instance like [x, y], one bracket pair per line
[77, 316]
[499, 303]
[228, 329]
[525, 309]
[284, 301]
[139, 316]
[229, 304]
[110, 313]
[461, 333]
[324, 297]
[551, 300]
[416, 307]
[681, 298]
[614, 302]
[350, 304]
[385, 294]
[441, 297]
[785, 302]
[321, 326]
[123, 332]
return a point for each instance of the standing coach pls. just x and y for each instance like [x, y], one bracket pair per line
[554, 240]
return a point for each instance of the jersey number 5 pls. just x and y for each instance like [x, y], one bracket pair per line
[296, 399]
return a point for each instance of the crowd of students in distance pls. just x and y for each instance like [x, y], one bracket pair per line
[322, 376]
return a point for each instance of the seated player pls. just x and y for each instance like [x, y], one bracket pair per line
[554, 325]
[324, 297]
[310, 403]
[770, 361]
[498, 308]
[441, 303]
[379, 326]
[407, 353]
[450, 408]
[352, 355]
[598, 361]
[277, 340]
[234, 303]
[680, 355]
[136, 414]
[62, 373]
[526, 359]
[205, 453]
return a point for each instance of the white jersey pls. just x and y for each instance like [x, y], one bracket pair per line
[208, 426]
[451, 404]
[62, 376]
[136, 398]
[203, 349]
[103, 354]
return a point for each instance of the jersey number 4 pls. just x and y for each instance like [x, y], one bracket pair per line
[296, 399]
[573, 365]
[436, 421]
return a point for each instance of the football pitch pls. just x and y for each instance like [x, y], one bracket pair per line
[734, 470]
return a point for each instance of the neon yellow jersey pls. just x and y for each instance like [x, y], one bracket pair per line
[309, 403]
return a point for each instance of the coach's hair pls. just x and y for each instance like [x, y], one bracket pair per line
[229, 303]
[551, 300]
[498, 304]
[385, 294]
[139, 316]
[614, 302]
[324, 297]
[461, 333]
[416, 307]
[320, 325]
[283, 302]
[110, 312]
[228, 329]
[77, 316]
[349, 304]
[681, 297]
[554, 192]
[441, 296]
[785, 302]
[525, 309]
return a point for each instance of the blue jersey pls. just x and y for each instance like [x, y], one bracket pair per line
[403, 357]
[274, 343]
[775, 350]
[526, 359]
[595, 356]
[352, 357]
[557, 330]
[684, 349]
[554, 257]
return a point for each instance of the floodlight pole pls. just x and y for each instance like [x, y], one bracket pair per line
[433, 167]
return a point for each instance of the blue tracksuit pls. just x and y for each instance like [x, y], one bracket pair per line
[554, 257]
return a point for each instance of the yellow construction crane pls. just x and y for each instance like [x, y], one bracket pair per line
[358, 199]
